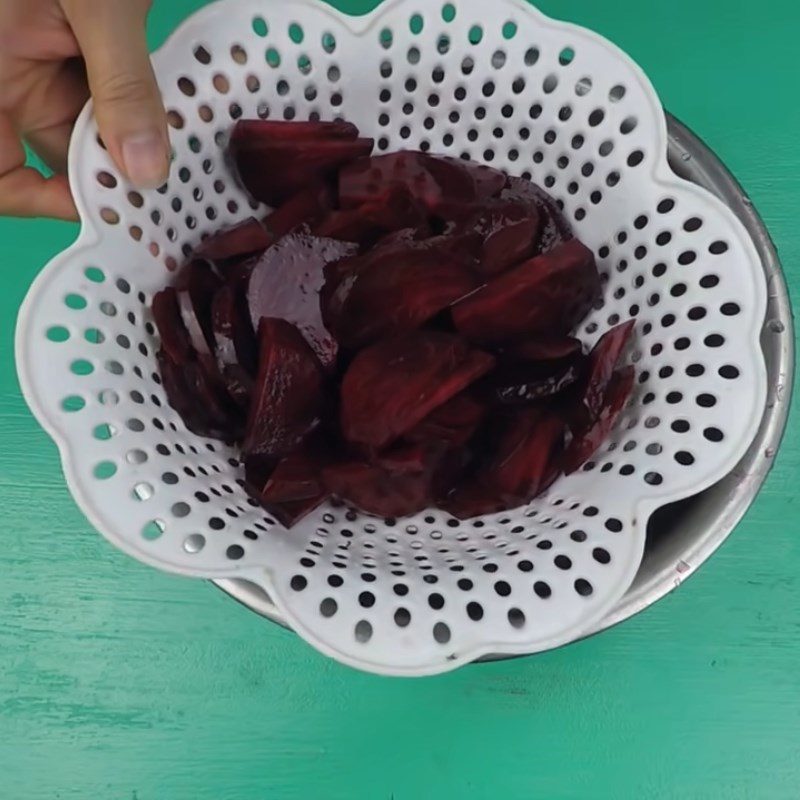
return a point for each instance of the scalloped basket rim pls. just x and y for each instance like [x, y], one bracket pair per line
[90, 236]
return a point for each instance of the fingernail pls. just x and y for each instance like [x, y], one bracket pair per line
[145, 159]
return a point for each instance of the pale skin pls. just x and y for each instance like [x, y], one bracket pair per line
[53, 55]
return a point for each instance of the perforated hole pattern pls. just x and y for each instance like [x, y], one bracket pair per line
[527, 95]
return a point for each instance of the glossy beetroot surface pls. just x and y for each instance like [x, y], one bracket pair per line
[394, 333]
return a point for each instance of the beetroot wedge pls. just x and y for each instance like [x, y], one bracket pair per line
[603, 360]
[297, 477]
[509, 232]
[368, 222]
[396, 383]
[585, 442]
[177, 391]
[253, 132]
[287, 398]
[536, 370]
[463, 181]
[399, 293]
[233, 332]
[434, 181]
[210, 394]
[396, 487]
[244, 239]
[286, 282]
[306, 207]
[197, 284]
[235, 348]
[370, 180]
[547, 295]
[174, 338]
[275, 163]
[290, 513]
[531, 442]
[554, 229]
[452, 424]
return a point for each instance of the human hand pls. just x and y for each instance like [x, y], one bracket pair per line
[53, 53]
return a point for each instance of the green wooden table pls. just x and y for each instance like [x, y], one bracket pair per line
[120, 683]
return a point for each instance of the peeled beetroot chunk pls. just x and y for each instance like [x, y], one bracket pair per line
[587, 440]
[368, 222]
[603, 360]
[399, 292]
[433, 180]
[244, 239]
[554, 228]
[306, 207]
[452, 424]
[286, 281]
[287, 397]
[547, 295]
[174, 338]
[390, 487]
[528, 446]
[536, 370]
[394, 384]
[509, 232]
[197, 283]
[235, 347]
[275, 160]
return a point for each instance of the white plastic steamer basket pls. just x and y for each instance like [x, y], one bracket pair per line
[512, 88]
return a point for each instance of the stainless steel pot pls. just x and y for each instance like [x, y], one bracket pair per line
[680, 537]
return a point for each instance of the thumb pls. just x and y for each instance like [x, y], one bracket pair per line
[128, 107]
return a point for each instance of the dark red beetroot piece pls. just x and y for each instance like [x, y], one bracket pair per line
[288, 394]
[368, 222]
[509, 232]
[545, 296]
[244, 239]
[531, 441]
[603, 360]
[396, 383]
[399, 292]
[235, 347]
[585, 442]
[306, 207]
[286, 282]
[452, 424]
[517, 458]
[402, 258]
[394, 486]
[435, 182]
[554, 229]
[174, 338]
[197, 283]
[464, 180]
[536, 370]
[298, 476]
[275, 160]
[258, 131]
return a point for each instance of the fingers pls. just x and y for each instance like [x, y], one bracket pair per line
[128, 106]
[55, 97]
[25, 192]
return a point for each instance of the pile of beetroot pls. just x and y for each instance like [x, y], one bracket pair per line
[395, 334]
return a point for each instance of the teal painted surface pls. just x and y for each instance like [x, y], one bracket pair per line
[119, 683]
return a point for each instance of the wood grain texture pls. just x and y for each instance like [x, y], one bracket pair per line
[119, 683]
